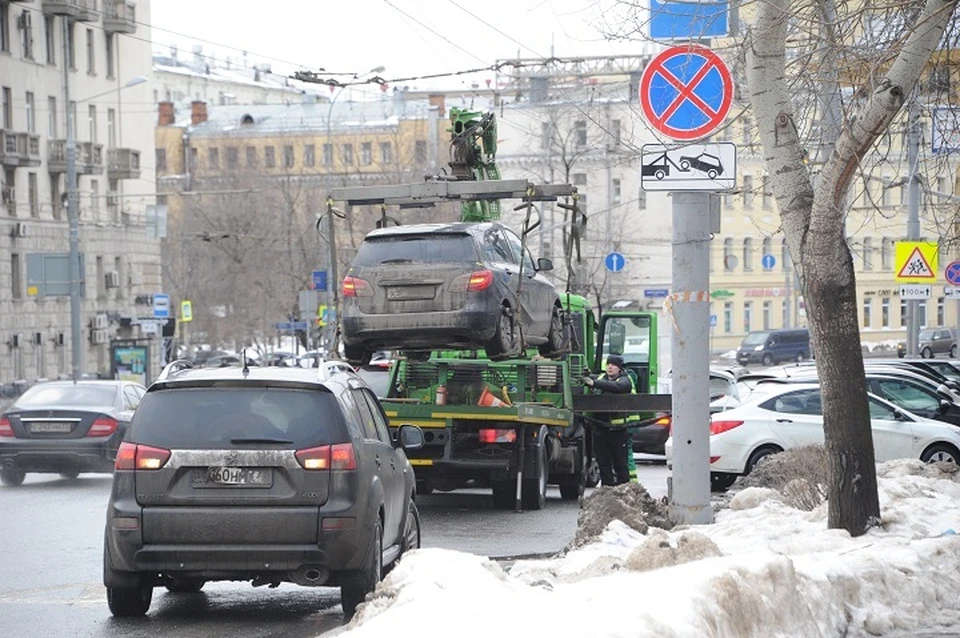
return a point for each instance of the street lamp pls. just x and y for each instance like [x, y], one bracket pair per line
[73, 214]
[333, 285]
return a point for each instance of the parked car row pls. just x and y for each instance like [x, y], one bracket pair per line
[914, 410]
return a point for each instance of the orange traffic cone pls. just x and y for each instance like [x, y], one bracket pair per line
[490, 400]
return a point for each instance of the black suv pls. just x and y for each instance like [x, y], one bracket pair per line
[263, 474]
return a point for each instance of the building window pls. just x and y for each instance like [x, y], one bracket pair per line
[767, 306]
[92, 122]
[747, 131]
[16, 276]
[748, 254]
[546, 135]
[52, 117]
[328, 154]
[748, 191]
[5, 28]
[616, 191]
[729, 259]
[615, 132]
[31, 113]
[309, 155]
[51, 40]
[118, 267]
[903, 313]
[91, 66]
[941, 312]
[386, 153]
[251, 157]
[55, 202]
[366, 153]
[580, 133]
[194, 158]
[94, 200]
[288, 156]
[213, 159]
[886, 253]
[922, 313]
[33, 194]
[233, 158]
[728, 317]
[109, 54]
[269, 161]
[867, 309]
[867, 253]
[747, 315]
[7, 108]
[642, 200]
[113, 201]
[785, 263]
[885, 312]
[766, 249]
[72, 45]
[25, 24]
[420, 152]
[885, 191]
[161, 159]
[766, 197]
[348, 154]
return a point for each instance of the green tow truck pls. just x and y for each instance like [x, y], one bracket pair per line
[513, 425]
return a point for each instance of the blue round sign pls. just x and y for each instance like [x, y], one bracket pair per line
[768, 261]
[952, 273]
[615, 262]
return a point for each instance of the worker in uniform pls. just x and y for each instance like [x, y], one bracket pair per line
[610, 433]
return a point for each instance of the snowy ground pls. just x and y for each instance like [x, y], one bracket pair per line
[762, 569]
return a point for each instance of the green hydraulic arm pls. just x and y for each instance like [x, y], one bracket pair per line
[473, 150]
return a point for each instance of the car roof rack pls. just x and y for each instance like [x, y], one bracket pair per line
[327, 369]
[174, 367]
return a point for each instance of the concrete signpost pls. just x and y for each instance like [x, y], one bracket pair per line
[685, 94]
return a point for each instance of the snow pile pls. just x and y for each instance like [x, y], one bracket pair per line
[763, 569]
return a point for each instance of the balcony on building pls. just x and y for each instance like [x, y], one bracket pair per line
[119, 16]
[79, 10]
[19, 149]
[123, 163]
[89, 157]
[171, 183]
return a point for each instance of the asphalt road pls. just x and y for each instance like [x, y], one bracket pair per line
[51, 561]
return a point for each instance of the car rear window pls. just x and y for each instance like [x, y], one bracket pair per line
[225, 418]
[47, 396]
[418, 248]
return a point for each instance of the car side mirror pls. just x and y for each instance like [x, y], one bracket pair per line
[409, 437]
[544, 264]
[944, 406]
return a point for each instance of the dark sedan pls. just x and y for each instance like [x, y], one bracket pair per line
[66, 427]
[446, 286]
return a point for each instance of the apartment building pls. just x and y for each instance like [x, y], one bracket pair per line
[106, 57]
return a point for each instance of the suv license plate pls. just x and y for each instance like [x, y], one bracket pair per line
[51, 427]
[232, 477]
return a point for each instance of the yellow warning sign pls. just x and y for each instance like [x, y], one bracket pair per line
[916, 262]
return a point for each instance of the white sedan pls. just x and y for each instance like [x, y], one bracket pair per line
[789, 415]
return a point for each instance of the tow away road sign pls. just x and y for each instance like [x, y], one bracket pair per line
[686, 92]
[912, 292]
[916, 262]
[694, 167]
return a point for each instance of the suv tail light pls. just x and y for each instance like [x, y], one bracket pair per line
[356, 287]
[328, 457]
[474, 282]
[718, 427]
[132, 456]
[103, 426]
[5, 428]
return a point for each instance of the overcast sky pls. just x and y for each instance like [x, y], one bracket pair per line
[408, 37]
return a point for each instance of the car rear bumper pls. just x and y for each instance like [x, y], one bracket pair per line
[421, 330]
[649, 439]
[55, 455]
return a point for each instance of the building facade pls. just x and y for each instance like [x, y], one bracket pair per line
[107, 61]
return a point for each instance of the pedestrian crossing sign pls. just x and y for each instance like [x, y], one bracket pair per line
[916, 262]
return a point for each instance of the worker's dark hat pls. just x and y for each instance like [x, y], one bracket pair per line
[616, 360]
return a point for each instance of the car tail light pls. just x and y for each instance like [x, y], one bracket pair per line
[131, 456]
[5, 428]
[474, 282]
[714, 459]
[356, 287]
[103, 426]
[718, 427]
[328, 457]
[664, 422]
[497, 435]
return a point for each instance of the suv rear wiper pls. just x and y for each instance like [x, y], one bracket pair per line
[258, 440]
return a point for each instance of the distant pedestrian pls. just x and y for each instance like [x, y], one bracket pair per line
[610, 435]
